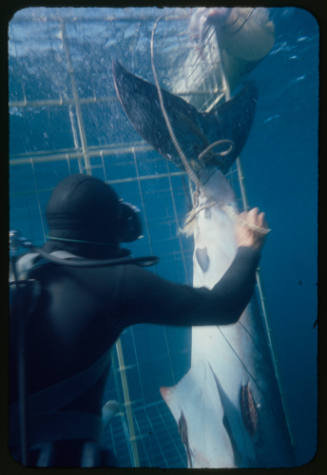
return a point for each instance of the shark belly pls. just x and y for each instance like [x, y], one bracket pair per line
[229, 397]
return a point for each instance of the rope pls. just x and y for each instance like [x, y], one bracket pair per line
[180, 152]
[190, 172]
[195, 211]
[238, 23]
[214, 144]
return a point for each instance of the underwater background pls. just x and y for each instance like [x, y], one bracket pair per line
[65, 118]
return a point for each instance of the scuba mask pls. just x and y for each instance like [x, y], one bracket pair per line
[130, 226]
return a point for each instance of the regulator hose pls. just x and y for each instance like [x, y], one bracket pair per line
[19, 241]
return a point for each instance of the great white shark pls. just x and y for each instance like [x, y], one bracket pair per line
[228, 407]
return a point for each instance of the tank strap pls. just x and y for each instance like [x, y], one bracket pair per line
[33, 260]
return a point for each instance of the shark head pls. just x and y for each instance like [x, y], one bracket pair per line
[208, 139]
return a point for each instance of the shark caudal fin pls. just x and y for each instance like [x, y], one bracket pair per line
[195, 131]
[140, 101]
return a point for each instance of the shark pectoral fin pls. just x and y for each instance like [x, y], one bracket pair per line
[249, 409]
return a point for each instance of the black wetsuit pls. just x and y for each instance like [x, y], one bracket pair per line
[82, 311]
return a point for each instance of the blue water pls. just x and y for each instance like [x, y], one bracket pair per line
[281, 172]
[280, 164]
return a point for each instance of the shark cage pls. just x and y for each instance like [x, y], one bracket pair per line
[66, 118]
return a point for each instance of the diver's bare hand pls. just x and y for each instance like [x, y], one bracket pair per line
[251, 228]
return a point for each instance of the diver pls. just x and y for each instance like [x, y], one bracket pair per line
[81, 312]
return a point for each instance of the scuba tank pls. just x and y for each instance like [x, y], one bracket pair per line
[24, 294]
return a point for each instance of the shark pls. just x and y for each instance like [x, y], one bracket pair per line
[228, 406]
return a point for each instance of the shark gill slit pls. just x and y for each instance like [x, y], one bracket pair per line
[249, 411]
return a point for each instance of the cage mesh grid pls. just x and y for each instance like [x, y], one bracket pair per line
[139, 174]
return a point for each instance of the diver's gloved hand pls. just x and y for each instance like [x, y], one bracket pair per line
[251, 229]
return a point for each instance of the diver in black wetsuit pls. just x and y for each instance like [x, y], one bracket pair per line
[82, 311]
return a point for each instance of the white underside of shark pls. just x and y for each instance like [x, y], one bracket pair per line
[227, 406]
